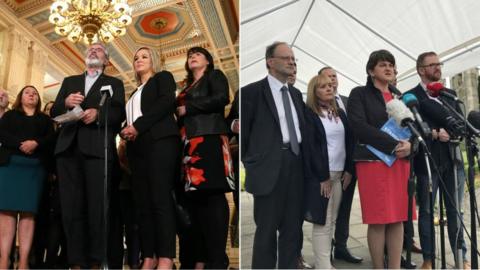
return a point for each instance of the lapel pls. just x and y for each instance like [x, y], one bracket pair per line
[80, 82]
[298, 104]
[267, 93]
[420, 93]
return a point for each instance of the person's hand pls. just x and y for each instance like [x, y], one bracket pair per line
[181, 111]
[73, 100]
[236, 126]
[28, 146]
[89, 115]
[346, 179]
[129, 133]
[443, 135]
[326, 188]
[434, 134]
[403, 149]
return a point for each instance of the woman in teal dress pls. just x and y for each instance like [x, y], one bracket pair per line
[26, 134]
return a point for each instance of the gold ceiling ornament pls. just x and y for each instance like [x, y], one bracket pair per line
[90, 20]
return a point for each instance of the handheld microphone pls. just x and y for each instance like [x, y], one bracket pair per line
[403, 116]
[412, 103]
[436, 89]
[106, 92]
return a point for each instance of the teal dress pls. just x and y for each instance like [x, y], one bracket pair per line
[22, 176]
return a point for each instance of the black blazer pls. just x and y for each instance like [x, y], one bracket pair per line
[366, 115]
[261, 138]
[90, 137]
[316, 164]
[233, 115]
[158, 107]
[440, 150]
[205, 106]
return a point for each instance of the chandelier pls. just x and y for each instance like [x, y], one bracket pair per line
[90, 21]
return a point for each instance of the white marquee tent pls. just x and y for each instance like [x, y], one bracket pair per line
[342, 34]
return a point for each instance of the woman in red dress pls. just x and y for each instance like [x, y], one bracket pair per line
[383, 189]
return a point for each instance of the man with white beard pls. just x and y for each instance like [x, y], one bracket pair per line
[80, 156]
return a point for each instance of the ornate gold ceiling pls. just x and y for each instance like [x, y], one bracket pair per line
[171, 27]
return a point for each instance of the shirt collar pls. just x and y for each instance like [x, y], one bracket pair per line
[95, 74]
[275, 84]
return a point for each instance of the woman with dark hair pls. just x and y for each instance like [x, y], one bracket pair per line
[26, 134]
[153, 154]
[207, 165]
[383, 189]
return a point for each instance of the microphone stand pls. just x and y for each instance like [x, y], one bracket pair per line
[454, 149]
[472, 152]
[441, 223]
[105, 188]
[411, 190]
[430, 202]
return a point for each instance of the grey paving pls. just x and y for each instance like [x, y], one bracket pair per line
[357, 242]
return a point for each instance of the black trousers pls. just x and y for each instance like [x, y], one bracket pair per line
[281, 211]
[153, 164]
[81, 197]
[206, 240]
[342, 227]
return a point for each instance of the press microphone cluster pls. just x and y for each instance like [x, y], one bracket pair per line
[441, 117]
[412, 102]
[437, 89]
[402, 116]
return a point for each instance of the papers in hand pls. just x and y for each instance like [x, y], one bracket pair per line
[73, 115]
[399, 133]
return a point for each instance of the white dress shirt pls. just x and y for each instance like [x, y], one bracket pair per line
[275, 86]
[335, 133]
[90, 80]
[134, 106]
[340, 102]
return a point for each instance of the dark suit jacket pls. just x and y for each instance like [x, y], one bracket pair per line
[90, 137]
[366, 115]
[316, 165]
[233, 114]
[440, 150]
[158, 107]
[261, 137]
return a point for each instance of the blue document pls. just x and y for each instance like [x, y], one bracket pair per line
[399, 133]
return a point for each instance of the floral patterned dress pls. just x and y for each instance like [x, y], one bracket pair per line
[206, 160]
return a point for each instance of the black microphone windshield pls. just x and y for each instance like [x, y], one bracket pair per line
[474, 119]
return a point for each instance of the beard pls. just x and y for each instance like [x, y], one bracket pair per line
[434, 77]
[93, 63]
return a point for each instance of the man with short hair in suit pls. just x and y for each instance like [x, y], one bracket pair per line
[272, 120]
[80, 156]
[429, 69]
[343, 219]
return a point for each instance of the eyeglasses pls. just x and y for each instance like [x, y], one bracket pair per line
[286, 58]
[95, 50]
[432, 65]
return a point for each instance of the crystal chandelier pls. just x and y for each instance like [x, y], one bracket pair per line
[90, 20]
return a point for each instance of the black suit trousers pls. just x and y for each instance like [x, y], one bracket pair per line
[343, 219]
[280, 210]
[154, 164]
[81, 197]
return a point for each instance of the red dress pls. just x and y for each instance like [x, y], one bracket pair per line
[384, 190]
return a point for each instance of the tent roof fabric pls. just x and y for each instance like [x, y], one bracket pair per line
[343, 33]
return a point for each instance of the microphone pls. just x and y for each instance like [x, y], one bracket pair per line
[436, 89]
[412, 103]
[441, 117]
[106, 92]
[474, 119]
[403, 116]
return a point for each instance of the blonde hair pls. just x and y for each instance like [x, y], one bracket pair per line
[154, 58]
[313, 101]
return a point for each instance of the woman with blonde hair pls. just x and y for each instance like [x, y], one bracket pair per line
[153, 151]
[329, 165]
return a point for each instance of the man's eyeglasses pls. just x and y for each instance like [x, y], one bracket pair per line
[433, 65]
[95, 50]
[286, 58]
